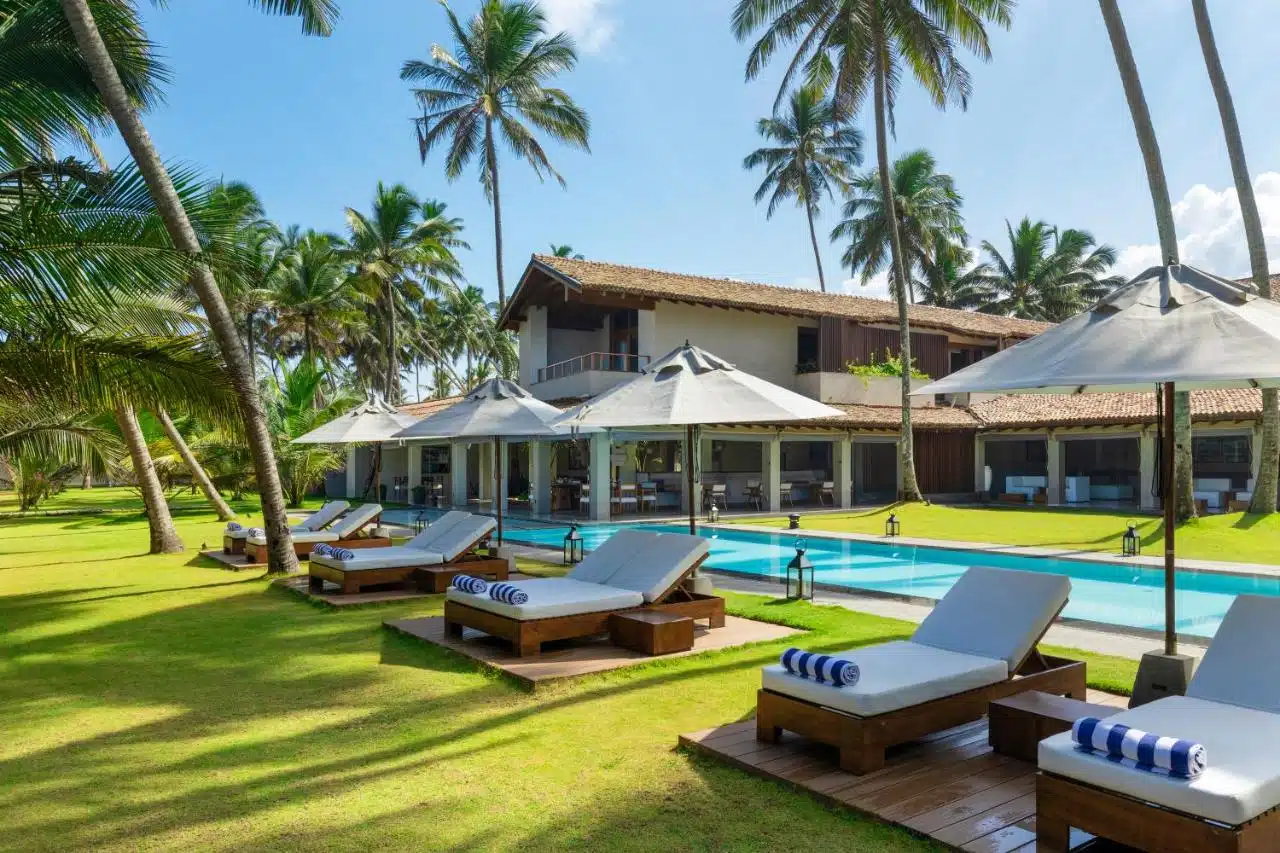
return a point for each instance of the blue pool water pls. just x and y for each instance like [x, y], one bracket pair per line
[1123, 595]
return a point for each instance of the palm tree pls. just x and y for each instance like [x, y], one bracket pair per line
[312, 296]
[949, 279]
[492, 86]
[928, 215]
[403, 250]
[293, 411]
[566, 251]
[198, 474]
[1047, 276]
[1185, 503]
[861, 47]
[317, 17]
[1265, 486]
[811, 151]
[465, 315]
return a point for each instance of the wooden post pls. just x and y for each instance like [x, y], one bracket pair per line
[1170, 502]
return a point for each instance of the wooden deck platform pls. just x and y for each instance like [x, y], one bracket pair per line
[950, 788]
[573, 658]
[332, 593]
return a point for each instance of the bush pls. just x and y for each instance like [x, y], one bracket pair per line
[891, 366]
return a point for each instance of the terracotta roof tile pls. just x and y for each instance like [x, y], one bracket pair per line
[1043, 410]
[422, 408]
[656, 284]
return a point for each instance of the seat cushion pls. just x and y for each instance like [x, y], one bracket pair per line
[463, 536]
[613, 553]
[894, 675]
[392, 557]
[1241, 666]
[995, 613]
[655, 568]
[350, 523]
[303, 536]
[549, 597]
[323, 516]
[437, 528]
[1241, 781]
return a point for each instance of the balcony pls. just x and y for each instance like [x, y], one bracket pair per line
[586, 375]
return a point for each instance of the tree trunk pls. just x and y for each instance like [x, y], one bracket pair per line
[1264, 488]
[86, 480]
[280, 555]
[307, 347]
[393, 361]
[248, 343]
[1163, 207]
[164, 537]
[817, 257]
[492, 157]
[910, 490]
[225, 513]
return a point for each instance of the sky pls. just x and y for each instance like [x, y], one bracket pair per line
[314, 123]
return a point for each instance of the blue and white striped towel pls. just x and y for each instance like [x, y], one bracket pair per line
[823, 669]
[342, 553]
[467, 583]
[322, 548]
[257, 531]
[508, 594]
[1138, 749]
[233, 526]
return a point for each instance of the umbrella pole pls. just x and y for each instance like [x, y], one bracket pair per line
[1170, 505]
[688, 468]
[498, 498]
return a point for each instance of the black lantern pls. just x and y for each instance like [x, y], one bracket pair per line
[420, 522]
[573, 546]
[892, 527]
[794, 521]
[799, 575]
[1130, 544]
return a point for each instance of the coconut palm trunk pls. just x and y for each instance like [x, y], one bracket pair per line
[280, 555]
[225, 512]
[910, 488]
[164, 537]
[393, 361]
[1163, 207]
[1264, 487]
[492, 156]
[817, 256]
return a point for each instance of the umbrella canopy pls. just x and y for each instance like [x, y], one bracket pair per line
[371, 421]
[1174, 326]
[1170, 324]
[688, 387]
[691, 386]
[497, 407]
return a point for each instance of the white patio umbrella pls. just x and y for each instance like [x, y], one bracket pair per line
[690, 387]
[496, 409]
[372, 422]
[1172, 325]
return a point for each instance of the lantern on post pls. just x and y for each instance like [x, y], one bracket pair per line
[793, 521]
[892, 527]
[573, 546]
[799, 575]
[713, 515]
[420, 522]
[1130, 544]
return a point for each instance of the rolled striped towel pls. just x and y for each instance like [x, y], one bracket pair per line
[342, 553]
[475, 586]
[233, 526]
[257, 531]
[323, 549]
[508, 594]
[823, 669]
[1141, 750]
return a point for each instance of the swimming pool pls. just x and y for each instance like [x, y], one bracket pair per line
[1130, 596]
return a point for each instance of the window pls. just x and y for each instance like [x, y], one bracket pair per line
[1223, 450]
[735, 457]
[435, 460]
[806, 350]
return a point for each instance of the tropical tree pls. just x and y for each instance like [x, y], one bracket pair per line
[313, 297]
[1047, 275]
[42, 448]
[1265, 485]
[491, 87]
[293, 412]
[122, 104]
[198, 475]
[810, 152]
[566, 251]
[927, 206]
[1145, 131]
[861, 48]
[950, 279]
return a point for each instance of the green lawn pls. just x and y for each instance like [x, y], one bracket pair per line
[1234, 537]
[158, 702]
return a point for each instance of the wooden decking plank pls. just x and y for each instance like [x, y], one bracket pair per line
[904, 766]
[986, 822]
[960, 789]
[939, 775]
[1001, 841]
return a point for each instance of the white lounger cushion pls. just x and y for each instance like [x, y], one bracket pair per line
[599, 565]
[550, 597]
[321, 517]
[462, 536]
[995, 613]
[1242, 779]
[894, 676]
[436, 529]
[342, 528]
[658, 564]
[391, 557]
[1242, 666]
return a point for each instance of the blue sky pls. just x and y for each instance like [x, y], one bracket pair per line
[313, 124]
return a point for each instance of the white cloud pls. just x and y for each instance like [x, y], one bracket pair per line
[588, 21]
[1211, 232]
[876, 288]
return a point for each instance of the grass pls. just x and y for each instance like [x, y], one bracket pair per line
[1234, 537]
[158, 702]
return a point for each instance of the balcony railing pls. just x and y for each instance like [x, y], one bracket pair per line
[616, 362]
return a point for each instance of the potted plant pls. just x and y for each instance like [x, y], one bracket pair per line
[419, 493]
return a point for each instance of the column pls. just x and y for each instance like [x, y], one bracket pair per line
[647, 334]
[504, 459]
[859, 475]
[1053, 468]
[842, 461]
[601, 455]
[414, 453]
[979, 464]
[458, 473]
[1147, 499]
[701, 472]
[771, 468]
[539, 477]
[353, 458]
[485, 490]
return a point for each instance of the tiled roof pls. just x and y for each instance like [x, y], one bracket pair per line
[422, 408]
[889, 417]
[656, 284]
[1042, 410]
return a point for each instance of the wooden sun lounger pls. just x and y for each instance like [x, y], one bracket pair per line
[258, 553]
[863, 740]
[527, 635]
[428, 577]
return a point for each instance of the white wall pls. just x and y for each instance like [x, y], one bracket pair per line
[533, 344]
[761, 344]
[564, 344]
